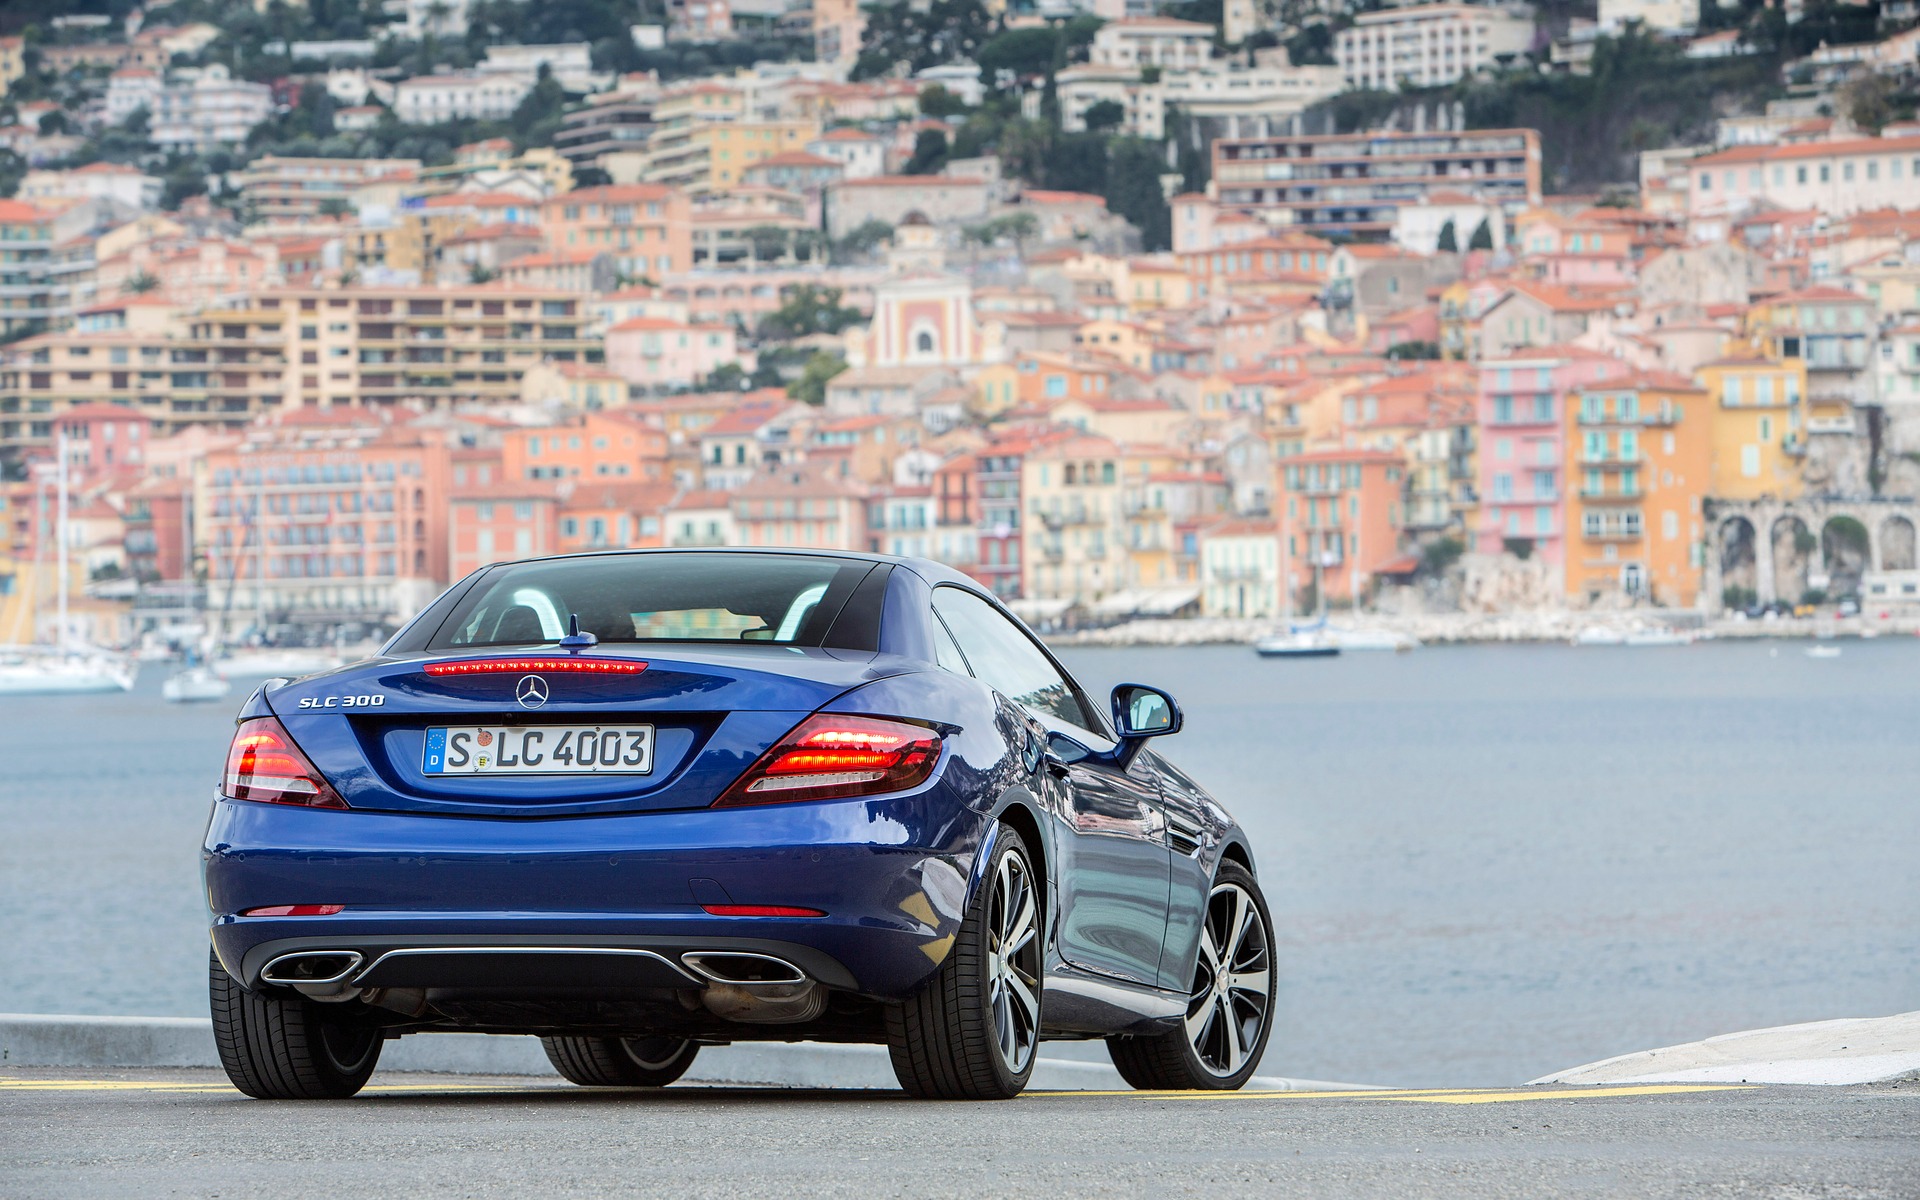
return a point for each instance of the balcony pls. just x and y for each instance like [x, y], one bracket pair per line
[1602, 494]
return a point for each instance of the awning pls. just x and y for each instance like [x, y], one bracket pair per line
[1146, 602]
[1036, 611]
[1406, 565]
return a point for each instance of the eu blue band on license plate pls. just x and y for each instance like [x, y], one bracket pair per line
[435, 760]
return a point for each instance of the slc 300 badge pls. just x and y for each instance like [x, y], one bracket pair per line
[343, 702]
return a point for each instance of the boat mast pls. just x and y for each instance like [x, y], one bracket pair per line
[1286, 554]
[60, 476]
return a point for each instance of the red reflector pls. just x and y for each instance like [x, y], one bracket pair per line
[760, 910]
[834, 757]
[559, 666]
[294, 910]
[264, 764]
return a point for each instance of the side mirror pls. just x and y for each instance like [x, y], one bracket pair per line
[1140, 711]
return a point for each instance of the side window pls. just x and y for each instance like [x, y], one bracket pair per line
[945, 652]
[1005, 658]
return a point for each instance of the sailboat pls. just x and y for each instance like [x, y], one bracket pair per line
[1299, 641]
[63, 668]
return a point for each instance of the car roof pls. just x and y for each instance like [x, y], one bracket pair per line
[929, 570]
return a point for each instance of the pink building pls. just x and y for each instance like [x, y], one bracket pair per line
[662, 355]
[1521, 404]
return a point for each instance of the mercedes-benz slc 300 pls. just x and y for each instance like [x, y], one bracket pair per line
[641, 802]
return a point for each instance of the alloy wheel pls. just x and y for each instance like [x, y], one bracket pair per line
[653, 1053]
[1013, 963]
[1233, 982]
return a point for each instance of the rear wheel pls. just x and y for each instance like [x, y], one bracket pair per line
[276, 1047]
[972, 1033]
[620, 1062]
[1230, 1008]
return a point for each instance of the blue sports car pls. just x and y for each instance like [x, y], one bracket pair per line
[635, 803]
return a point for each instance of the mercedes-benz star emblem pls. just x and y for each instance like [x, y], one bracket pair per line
[531, 692]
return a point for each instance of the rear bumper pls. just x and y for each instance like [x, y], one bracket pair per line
[891, 874]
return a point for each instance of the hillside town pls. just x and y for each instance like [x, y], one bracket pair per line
[1123, 312]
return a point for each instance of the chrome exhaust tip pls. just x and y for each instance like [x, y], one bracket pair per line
[312, 968]
[740, 968]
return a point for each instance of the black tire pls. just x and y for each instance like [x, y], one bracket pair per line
[276, 1047]
[951, 1041]
[1172, 1061]
[620, 1062]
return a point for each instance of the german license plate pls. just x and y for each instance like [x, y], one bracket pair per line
[539, 750]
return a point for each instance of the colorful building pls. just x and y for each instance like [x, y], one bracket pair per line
[1523, 456]
[1639, 460]
[1759, 426]
[1341, 517]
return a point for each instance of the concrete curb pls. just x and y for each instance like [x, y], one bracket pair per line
[30, 1040]
[1850, 1050]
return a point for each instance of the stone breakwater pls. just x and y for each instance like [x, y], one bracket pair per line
[1464, 628]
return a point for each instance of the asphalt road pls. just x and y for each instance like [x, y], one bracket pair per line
[184, 1133]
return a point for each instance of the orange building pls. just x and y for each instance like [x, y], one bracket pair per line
[1639, 461]
[646, 227]
[1038, 380]
[499, 522]
[1341, 513]
[327, 513]
[610, 444]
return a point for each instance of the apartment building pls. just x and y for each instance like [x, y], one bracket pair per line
[124, 186]
[1759, 426]
[1164, 42]
[459, 95]
[327, 515]
[1430, 45]
[1341, 519]
[1832, 332]
[27, 234]
[793, 505]
[280, 188]
[369, 346]
[1357, 183]
[646, 227]
[498, 521]
[1075, 546]
[1836, 178]
[1240, 569]
[1523, 455]
[207, 111]
[1639, 461]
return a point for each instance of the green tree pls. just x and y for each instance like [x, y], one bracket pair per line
[1413, 351]
[811, 387]
[1482, 238]
[769, 242]
[861, 240]
[1103, 115]
[1449, 241]
[1133, 191]
[537, 117]
[141, 283]
[929, 153]
[727, 377]
[335, 206]
[1022, 53]
[807, 310]
[944, 31]
[937, 101]
[479, 274]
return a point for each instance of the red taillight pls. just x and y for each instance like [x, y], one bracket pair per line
[294, 910]
[556, 666]
[761, 910]
[830, 758]
[264, 764]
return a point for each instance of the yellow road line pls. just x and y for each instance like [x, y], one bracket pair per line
[1648, 1089]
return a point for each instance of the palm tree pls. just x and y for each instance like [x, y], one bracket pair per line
[141, 284]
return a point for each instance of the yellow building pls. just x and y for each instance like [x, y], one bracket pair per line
[734, 146]
[1146, 284]
[13, 61]
[1639, 460]
[1128, 341]
[1759, 426]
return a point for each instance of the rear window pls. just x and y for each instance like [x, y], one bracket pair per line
[785, 599]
